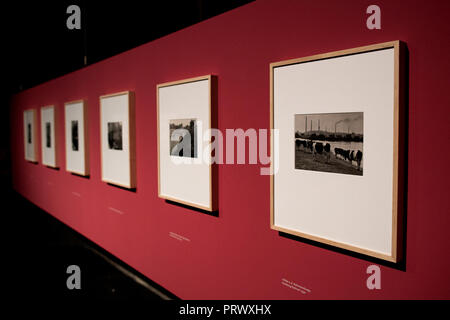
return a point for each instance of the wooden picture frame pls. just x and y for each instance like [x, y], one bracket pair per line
[49, 139]
[186, 97]
[322, 69]
[30, 135]
[118, 139]
[77, 151]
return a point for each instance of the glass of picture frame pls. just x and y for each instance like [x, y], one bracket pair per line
[48, 137]
[186, 173]
[29, 126]
[118, 145]
[77, 152]
[338, 172]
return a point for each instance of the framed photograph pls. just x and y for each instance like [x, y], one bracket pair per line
[29, 134]
[118, 148]
[185, 170]
[77, 160]
[338, 162]
[48, 138]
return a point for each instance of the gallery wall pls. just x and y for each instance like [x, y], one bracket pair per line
[236, 254]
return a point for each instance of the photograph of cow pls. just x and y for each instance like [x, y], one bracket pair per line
[330, 142]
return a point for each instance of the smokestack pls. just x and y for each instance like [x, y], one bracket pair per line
[318, 124]
[306, 124]
[310, 129]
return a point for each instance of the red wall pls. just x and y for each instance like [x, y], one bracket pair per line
[237, 255]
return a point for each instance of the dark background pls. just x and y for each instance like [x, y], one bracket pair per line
[36, 47]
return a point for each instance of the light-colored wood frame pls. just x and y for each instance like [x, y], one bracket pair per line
[397, 193]
[212, 199]
[34, 137]
[86, 135]
[56, 126]
[131, 138]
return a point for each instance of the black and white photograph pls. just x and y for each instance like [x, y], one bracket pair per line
[183, 138]
[74, 135]
[48, 135]
[330, 142]
[29, 133]
[115, 135]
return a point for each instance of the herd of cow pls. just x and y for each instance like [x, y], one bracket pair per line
[319, 148]
[349, 155]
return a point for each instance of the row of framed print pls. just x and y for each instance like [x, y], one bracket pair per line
[182, 104]
[117, 138]
[337, 176]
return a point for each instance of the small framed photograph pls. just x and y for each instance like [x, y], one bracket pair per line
[77, 159]
[48, 138]
[185, 169]
[338, 162]
[117, 125]
[30, 134]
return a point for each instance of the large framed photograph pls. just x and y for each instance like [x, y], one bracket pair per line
[338, 162]
[118, 148]
[77, 160]
[185, 169]
[30, 134]
[48, 137]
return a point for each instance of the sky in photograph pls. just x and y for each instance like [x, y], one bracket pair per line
[343, 122]
[184, 122]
